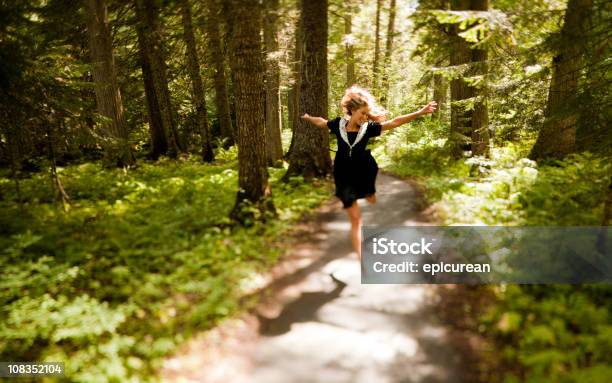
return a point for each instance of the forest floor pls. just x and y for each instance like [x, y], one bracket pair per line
[309, 327]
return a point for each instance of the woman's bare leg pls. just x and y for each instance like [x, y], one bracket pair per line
[355, 218]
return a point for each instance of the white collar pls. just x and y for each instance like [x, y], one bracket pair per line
[362, 130]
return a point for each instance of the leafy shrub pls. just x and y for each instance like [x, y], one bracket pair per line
[548, 333]
[140, 261]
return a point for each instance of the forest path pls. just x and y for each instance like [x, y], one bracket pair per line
[313, 328]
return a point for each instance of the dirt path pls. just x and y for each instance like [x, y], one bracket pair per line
[314, 328]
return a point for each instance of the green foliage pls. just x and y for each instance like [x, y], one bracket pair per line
[557, 333]
[547, 333]
[503, 190]
[419, 150]
[142, 259]
[569, 192]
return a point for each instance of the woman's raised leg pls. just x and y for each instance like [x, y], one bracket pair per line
[371, 198]
[355, 218]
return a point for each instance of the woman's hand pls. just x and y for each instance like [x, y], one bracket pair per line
[305, 116]
[429, 108]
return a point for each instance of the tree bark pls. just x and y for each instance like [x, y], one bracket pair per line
[557, 137]
[375, 66]
[310, 154]
[274, 148]
[157, 132]
[248, 71]
[108, 96]
[218, 63]
[461, 117]
[594, 131]
[294, 90]
[151, 43]
[290, 109]
[602, 238]
[480, 115]
[607, 216]
[199, 98]
[388, 53]
[440, 90]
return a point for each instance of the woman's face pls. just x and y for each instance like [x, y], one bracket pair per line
[361, 115]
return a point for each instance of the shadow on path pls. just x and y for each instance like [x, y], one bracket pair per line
[315, 328]
[303, 309]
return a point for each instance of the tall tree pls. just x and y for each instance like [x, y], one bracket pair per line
[310, 155]
[217, 58]
[461, 116]
[388, 53]
[193, 63]
[274, 147]
[108, 96]
[157, 131]
[440, 90]
[375, 64]
[349, 42]
[557, 136]
[150, 41]
[480, 115]
[594, 132]
[294, 88]
[249, 91]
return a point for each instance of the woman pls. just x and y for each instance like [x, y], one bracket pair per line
[355, 169]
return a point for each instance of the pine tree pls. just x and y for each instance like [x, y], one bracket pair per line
[274, 148]
[199, 98]
[310, 155]
[557, 137]
[217, 59]
[108, 95]
[249, 91]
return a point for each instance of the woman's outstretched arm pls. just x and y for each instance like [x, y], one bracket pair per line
[401, 120]
[318, 121]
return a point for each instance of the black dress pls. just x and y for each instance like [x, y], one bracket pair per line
[355, 169]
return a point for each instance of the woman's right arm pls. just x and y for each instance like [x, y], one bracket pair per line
[318, 121]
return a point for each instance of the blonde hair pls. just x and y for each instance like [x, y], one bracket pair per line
[356, 97]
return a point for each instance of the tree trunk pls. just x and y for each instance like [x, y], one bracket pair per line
[218, 63]
[294, 90]
[375, 66]
[157, 132]
[594, 131]
[151, 43]
[199, 99]
[607, 217]
[440, 90]
[350, 56]
[557, 137]
[602, 238]
[290, 108]
[480, 115]
[388, 52]
[108, 97]
[274, 148]
[248, 71]
[310, 153]
[461, 118]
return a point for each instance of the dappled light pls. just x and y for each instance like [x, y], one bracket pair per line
[236, 191]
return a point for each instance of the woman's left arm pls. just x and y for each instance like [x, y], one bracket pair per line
[401, 120]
